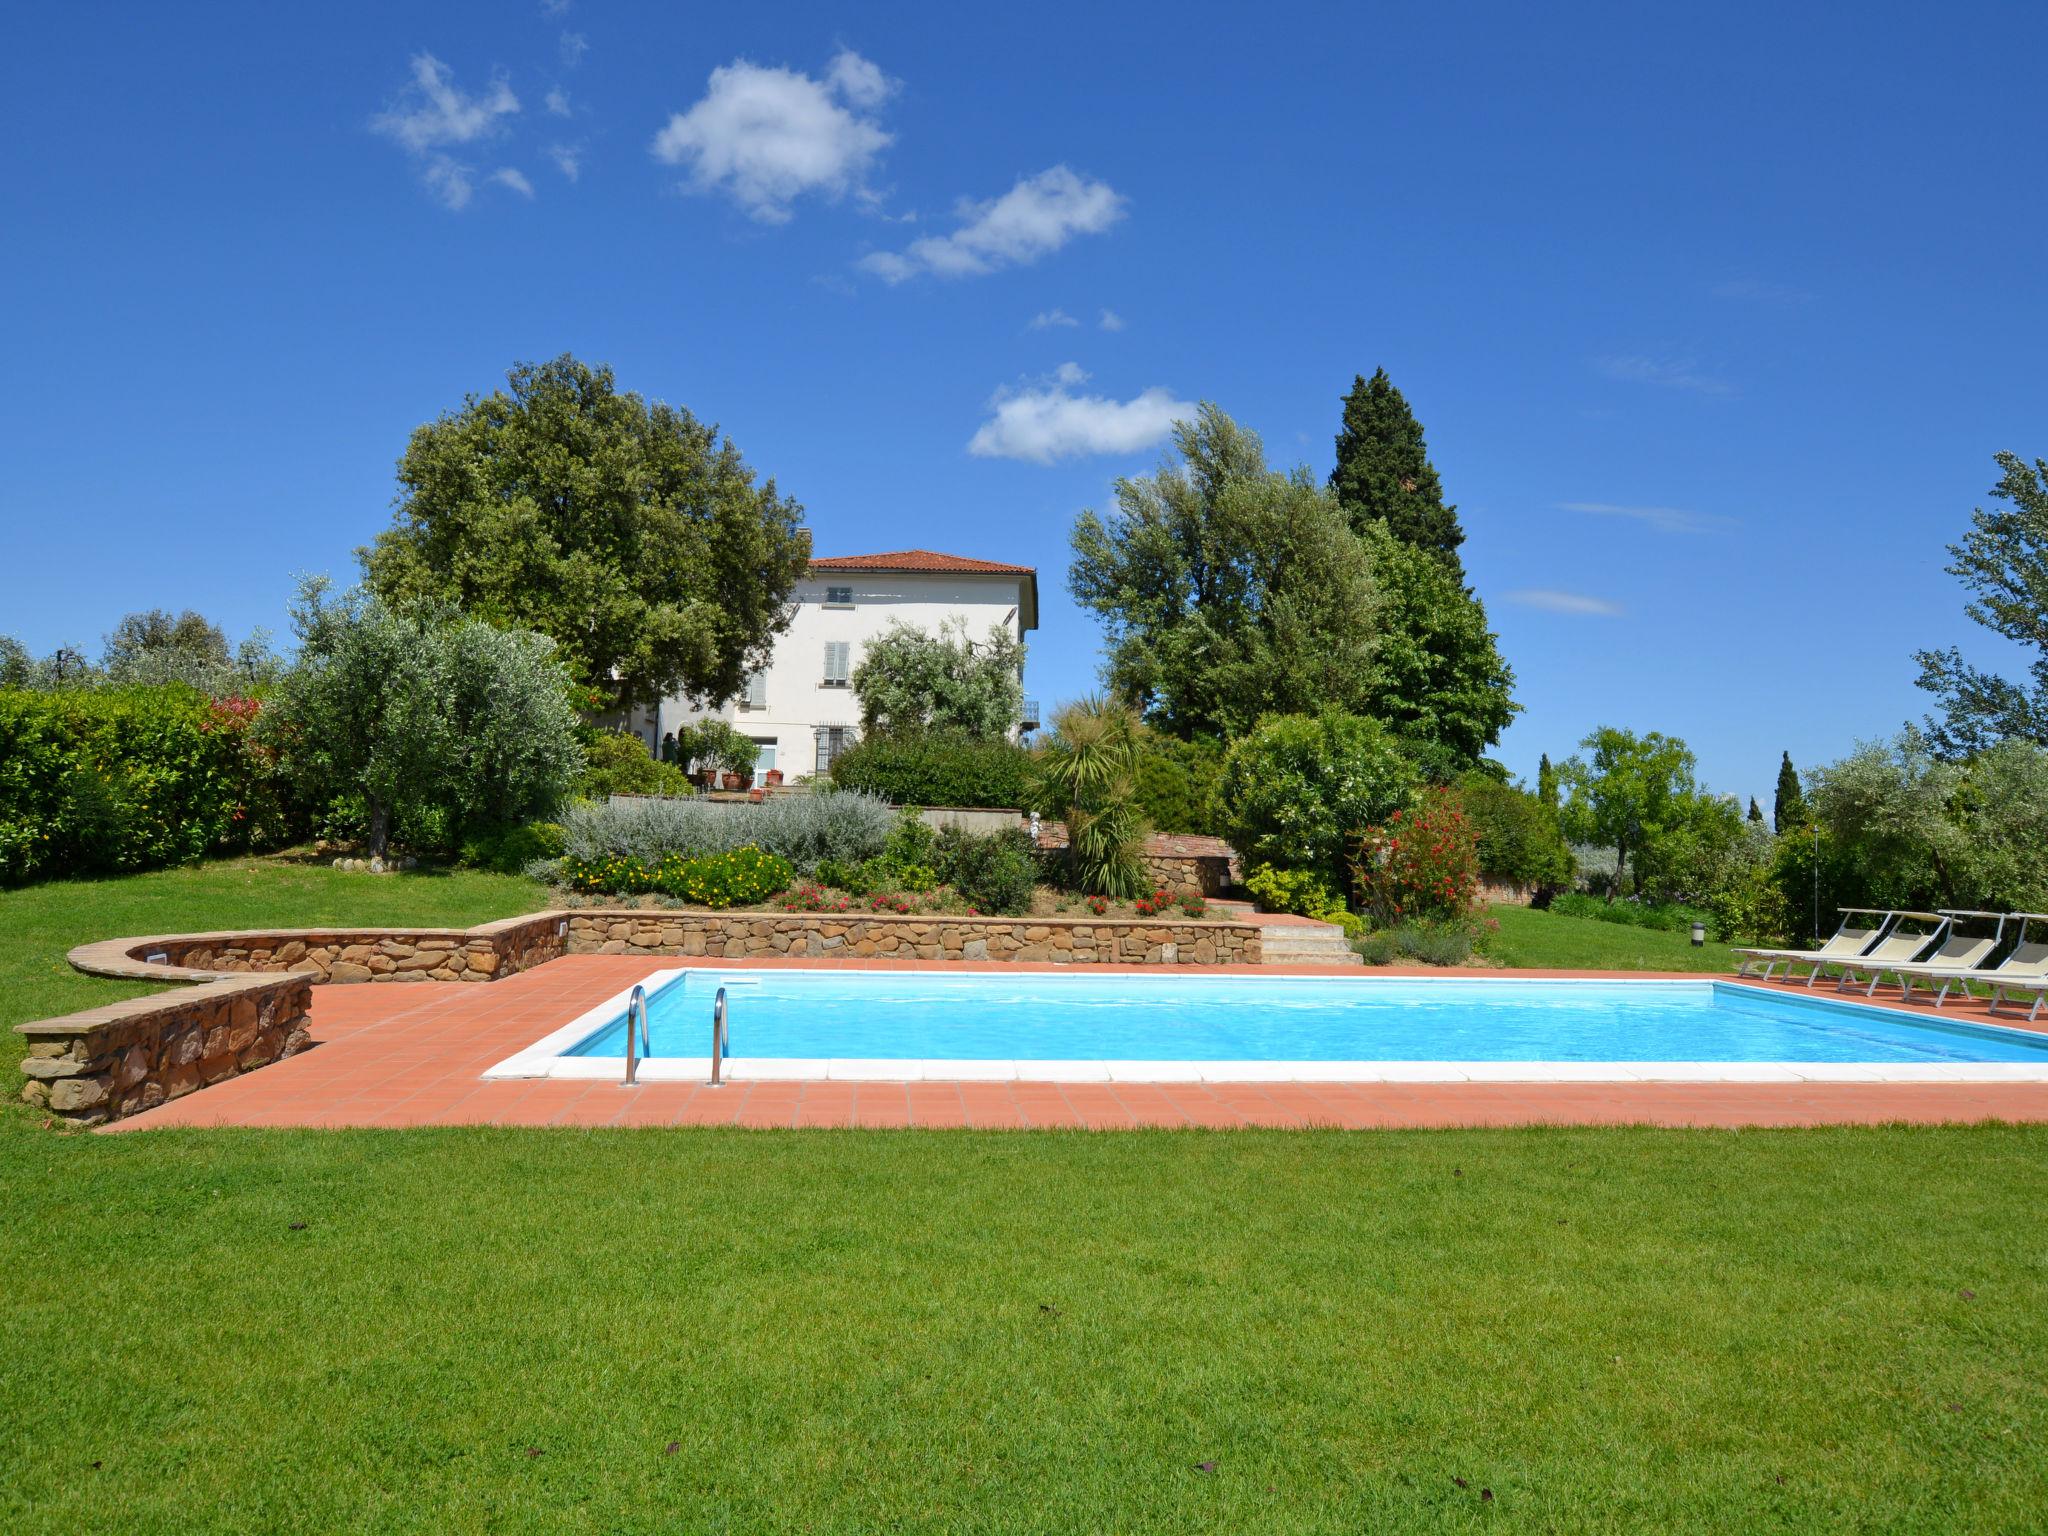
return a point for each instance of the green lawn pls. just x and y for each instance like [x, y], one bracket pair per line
[949, 1331]
[39, 924]
[953, 1331]
[1542, 940]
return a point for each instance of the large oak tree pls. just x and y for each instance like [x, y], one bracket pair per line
[632, 534]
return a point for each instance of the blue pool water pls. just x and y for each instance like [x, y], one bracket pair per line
[993, 1017]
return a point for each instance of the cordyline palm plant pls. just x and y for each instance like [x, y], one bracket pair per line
[1087, 774]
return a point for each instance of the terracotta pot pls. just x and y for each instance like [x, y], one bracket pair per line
[734, 781]
[774, 778]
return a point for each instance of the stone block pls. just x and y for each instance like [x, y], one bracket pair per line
[349, 971]
[75, 1094]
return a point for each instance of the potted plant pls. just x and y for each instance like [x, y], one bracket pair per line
[774, 778]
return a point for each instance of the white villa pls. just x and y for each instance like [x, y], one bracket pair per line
[800, 709]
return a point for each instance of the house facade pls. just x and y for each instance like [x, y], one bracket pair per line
[800, 709]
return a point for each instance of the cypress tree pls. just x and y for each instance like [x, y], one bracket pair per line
[1790, 809]
[1383, 472]
[1756, 812]
[1546, 782]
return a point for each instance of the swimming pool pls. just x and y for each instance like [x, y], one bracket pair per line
[1077, 1027]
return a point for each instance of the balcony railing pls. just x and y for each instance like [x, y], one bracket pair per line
[1027, 715]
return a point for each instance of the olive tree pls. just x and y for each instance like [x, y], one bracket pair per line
[917, 679]
[417, 708]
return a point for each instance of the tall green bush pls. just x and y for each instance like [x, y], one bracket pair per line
[618, 763]
[104, 780]
[938, 768]
[1519, 839]
[1176, 783]
[1299, 790]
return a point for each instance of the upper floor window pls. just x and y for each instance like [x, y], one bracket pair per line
[755, 696]
[838, 664]
[839, 597]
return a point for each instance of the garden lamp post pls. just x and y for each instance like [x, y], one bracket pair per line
[1699, 934]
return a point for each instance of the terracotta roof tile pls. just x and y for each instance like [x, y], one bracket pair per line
[921, 560]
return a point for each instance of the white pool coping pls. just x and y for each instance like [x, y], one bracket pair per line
[545, 1059]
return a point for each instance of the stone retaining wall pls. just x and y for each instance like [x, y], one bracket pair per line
[750, 935]
[251, 991]
[125, 1057]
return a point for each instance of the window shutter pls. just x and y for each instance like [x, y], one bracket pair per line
[757, 690]
[836, 661]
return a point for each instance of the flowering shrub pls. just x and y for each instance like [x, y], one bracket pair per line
[810, 897]
[1193, 904]
[1150, 906]
[1420, 865]
[1098, 905]
[742, 877]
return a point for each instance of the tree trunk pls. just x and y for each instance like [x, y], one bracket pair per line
[1620, 870]
[380, 827]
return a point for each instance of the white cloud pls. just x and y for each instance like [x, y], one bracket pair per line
[1663, 519]
[1046, 319]
[1664, 374]
[506, 176]
[767, 136]
[432, 112]
[1035, 217]
[1550, 600]
[573, 46]
[858, 80]
[557, 102]
[554, 7]
[449, 180]
[1045, 421]
[568, 159]
[1111, 320]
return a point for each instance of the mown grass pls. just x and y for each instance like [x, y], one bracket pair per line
[1615, 1330]
[39, 924]
[1532, 939]
[471, 1330]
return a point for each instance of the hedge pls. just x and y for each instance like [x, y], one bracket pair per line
[107, 780]
[938, 768]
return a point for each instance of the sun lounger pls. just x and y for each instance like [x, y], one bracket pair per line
[1899, 946]
[1959, 956]
[1861, 927]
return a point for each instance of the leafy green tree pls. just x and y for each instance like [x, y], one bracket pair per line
[1632, 791]
[415, 708]
[1176, 786]
[1384, 476]
[1299, 790]
[1546, 782]
[17, 667]
[1756, 812]
[2003, 560]
[912, 679]
[156, 647]
[632, 534]
[1227, 590]
[1086, 775]
[1788, 811]
[1438, 676]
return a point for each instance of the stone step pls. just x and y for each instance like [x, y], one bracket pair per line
[1306, 944]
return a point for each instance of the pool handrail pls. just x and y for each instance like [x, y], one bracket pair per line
[718, 1039]
[636, 1004]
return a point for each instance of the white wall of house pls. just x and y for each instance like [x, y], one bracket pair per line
[804, 695]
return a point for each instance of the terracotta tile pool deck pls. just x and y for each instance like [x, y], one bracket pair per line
[412, 1055]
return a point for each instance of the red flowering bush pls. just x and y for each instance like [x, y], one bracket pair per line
[1419, 865]
[1150, 906]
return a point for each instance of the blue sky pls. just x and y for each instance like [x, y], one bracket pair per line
[1714, 320]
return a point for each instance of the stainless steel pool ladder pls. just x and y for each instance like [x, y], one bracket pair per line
[636, 1006]
[718, 1039]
